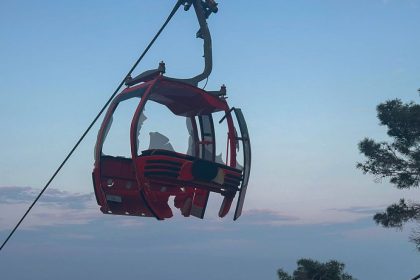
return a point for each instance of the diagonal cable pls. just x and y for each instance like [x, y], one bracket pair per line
[177, 5]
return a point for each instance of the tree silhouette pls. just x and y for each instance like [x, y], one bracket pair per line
[309, 269]
[398, 161]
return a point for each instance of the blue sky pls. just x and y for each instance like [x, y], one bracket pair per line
[307, 74]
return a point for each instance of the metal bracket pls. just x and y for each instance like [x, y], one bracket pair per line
[219, 93]
[209, 6]
[146, 75]
[203, 9]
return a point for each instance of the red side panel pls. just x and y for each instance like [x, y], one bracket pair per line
[117, 190]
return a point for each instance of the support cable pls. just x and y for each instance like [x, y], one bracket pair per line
[177, 5]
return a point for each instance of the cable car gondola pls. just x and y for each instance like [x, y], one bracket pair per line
[141, 185]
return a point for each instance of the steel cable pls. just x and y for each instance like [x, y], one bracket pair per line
[174, 10]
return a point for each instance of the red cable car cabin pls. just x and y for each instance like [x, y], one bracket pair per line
[142, 185]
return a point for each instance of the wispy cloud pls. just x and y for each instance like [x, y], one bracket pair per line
[58, 207]
[13, 195]
[54, 208]
[268, 217]
[362, 210]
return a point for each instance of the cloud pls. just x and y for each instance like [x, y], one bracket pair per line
[267, 217]
[13, 195]
[57, 207]
[54, 208]
[362, 210]
[308, 217]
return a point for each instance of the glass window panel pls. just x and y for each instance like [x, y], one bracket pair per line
[117, 136]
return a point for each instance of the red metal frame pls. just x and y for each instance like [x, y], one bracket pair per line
[142, 185]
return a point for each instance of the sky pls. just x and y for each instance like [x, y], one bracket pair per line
[308, 76]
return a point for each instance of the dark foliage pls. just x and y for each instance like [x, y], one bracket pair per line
[399, 161]
[398, 214]
[313, 270]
